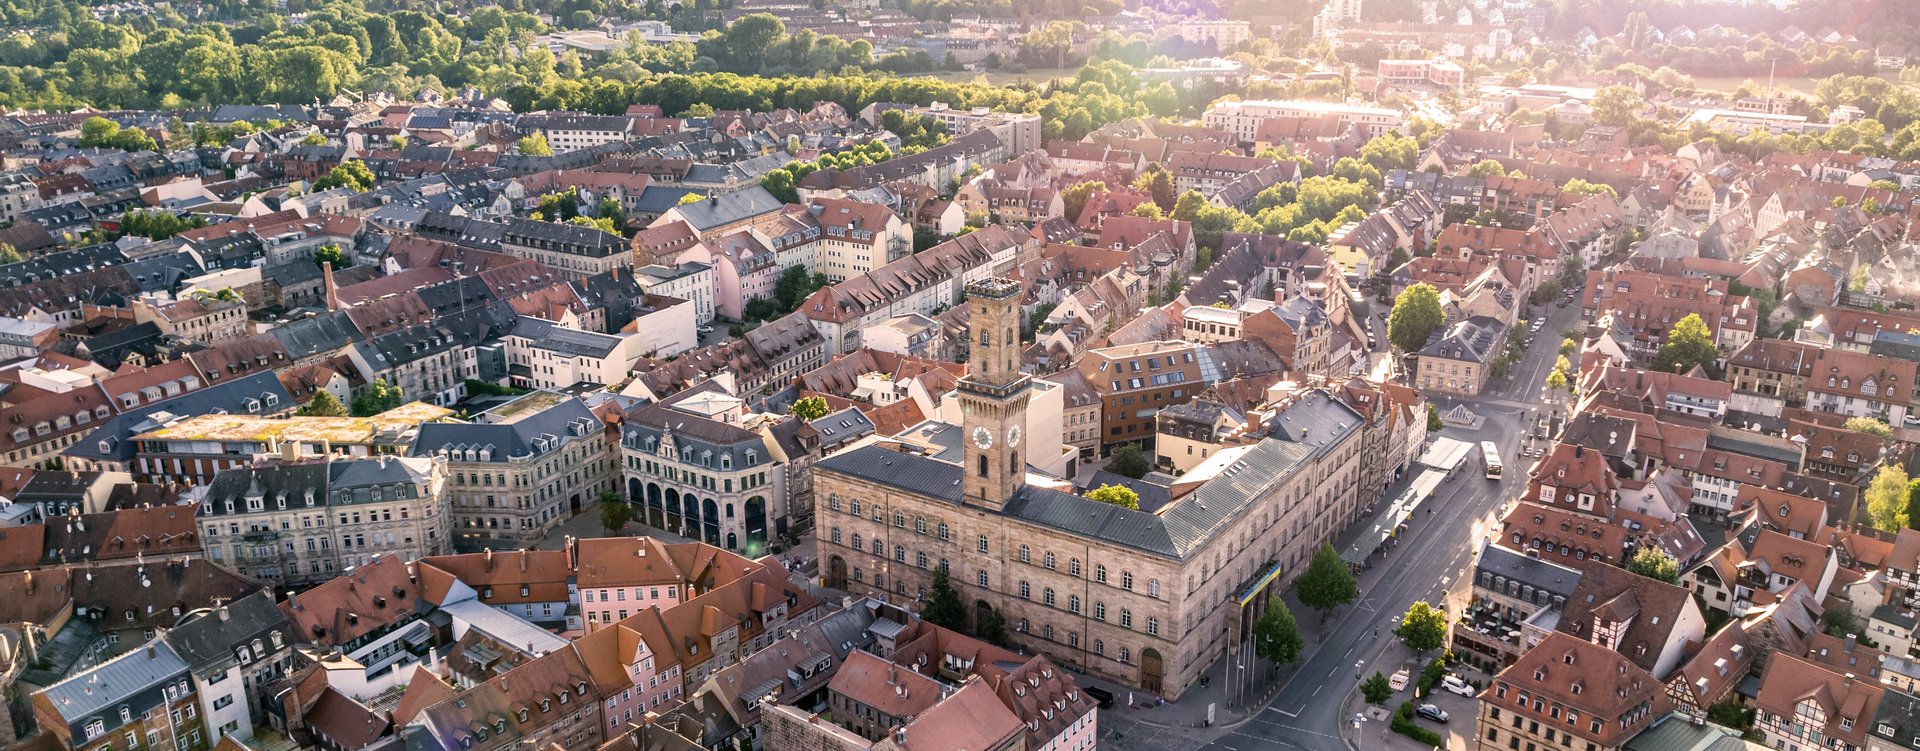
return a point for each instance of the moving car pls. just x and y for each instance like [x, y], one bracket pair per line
[1431, 712]
[1453, 684]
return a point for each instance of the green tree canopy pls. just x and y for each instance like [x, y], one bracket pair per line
[323, 404]
[1434, 423]
[1870, 426]
[1487, 168]
[1157, 183]
[330, 253]
[1276, 636]
[943, 607]
[1129, 460]
[1581, 187]
[1327, 583]
[534, 145]
[1118, 495]
[1415, 316]
[1423, 628]
[351, 174]
[379, 396]
[1688, 344]
[1074, 198]
[1887, 499]
[1377, 689]
[614, 513]
[809, 408]
[1654, 563]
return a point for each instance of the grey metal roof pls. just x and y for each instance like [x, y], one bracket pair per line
[1317, 420]
[1175, 532]
[116, 681]
[731, 207]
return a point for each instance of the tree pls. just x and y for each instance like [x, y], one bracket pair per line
[690, 198]
[1434, 423]
[1377, 689]
[1486, 168]
[380, 396]
[323, 404]
[330, 253]
[1075, 197]
[1416, 315]
[1557, 381]
[943, 607]
[1913, 504]
[351, 174]
[1581, 187]
[314, 139]
[1840, 621]
[1327, 583]
[1189, 206]
[1423, 629]
[1118, 495]
[1870, 426]
[1615, 105]
[1276, 636]
[1887, 499]
[1157, 183]
[534, 145]
[1654, 563]
[614, 513]
[992, 629]
[809, 408]
[1688, 344]
[1129, 460]
[9, 255]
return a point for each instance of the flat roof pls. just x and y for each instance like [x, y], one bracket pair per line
[340, 430]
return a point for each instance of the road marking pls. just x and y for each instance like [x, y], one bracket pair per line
[1289, 715]
[1316, 689]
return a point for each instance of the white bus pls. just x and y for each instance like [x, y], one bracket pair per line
[1492, 456]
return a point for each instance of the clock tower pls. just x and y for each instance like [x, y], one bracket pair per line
[993, 395]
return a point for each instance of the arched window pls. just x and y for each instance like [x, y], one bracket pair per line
[1126, 618]
[1048, 560]
[920, 525]
[879, 548]
[982, 578]
[1100, 573]
[1026, 554]
[983, 465]
[1153, 587]
[1073, 603]
[920, 559]
[1100, 610]
[1153, 626]
[1126, 580]
[900, 554]
[1073, 567]
[1026, 590]
[943, 530]
[1047, 596]
[857, 545]
[1125, 657]
[1100, 647]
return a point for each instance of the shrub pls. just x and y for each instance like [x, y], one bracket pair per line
[1403, 724]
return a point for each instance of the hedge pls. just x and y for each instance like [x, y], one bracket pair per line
[1403, 724]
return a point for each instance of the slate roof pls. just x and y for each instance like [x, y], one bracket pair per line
[206, 642]
[511, 439]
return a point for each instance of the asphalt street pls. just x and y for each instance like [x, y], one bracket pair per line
[1307, 711]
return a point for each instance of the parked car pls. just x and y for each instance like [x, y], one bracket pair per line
[1431, 712]
[704, 330]
[1400, 679]
[1453, 684]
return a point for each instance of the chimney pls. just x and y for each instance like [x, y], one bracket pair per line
[487, 559]
[223, 613]
[333, 291]
[150, 652]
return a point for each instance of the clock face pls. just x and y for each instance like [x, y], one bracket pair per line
[1013, 436]
[983, 437]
